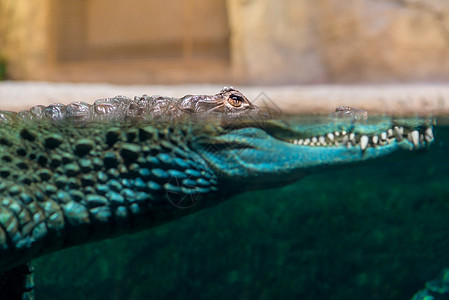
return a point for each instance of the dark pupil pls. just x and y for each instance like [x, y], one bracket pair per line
[237, 99]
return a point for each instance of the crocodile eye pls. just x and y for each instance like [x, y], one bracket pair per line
[235, 100]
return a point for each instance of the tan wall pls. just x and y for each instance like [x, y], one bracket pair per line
[274, 42]
[25, 37]
[271, 42]
[308, 41]
[141, 18]
[103, 31]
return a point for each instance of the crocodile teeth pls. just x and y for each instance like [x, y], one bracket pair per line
[364, 142]
[414, 137]
[398, 132]
[322, 140]
[429, 134]
[350, 139]
[390, 132]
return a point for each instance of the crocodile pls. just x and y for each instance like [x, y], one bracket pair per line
[79, 173]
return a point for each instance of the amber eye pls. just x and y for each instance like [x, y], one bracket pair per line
[235, 100]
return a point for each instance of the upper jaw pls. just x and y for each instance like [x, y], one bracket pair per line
[412, 133]
[275, 153]
[417, 137]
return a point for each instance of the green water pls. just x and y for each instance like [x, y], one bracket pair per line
[378, 231]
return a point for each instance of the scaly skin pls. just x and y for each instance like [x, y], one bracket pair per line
[228, 103]
[79, 173]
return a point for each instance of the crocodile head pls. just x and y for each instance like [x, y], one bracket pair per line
[243, 143]
[228, 102]
[270, 153]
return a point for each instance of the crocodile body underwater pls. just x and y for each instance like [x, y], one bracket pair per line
[78, 173]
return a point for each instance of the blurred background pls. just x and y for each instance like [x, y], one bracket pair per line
[229, 42]
[306, 56]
